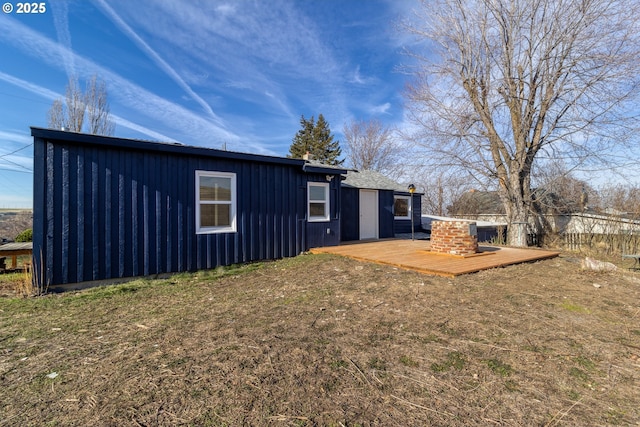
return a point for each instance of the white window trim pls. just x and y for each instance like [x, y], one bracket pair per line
[232, 228]
[409, 206]
[327, 206]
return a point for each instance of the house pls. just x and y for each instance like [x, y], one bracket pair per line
[111, 208]
[552, 214]
[108, 208]
[486, 231]
[591, 222]
[376, 207]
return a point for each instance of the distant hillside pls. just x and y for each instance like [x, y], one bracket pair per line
[13, 222]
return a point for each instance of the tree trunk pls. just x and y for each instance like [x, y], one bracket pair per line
[509, 85]
[518, 232]
[516, 198]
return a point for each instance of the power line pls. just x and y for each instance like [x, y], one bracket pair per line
[4, 158]
[13, 152]
[29, 171]
[17, 164]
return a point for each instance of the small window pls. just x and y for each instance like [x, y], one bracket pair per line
[215, 202]
[402, 207]
[318, 198]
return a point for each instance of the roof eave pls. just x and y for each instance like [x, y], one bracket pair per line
[164, 147]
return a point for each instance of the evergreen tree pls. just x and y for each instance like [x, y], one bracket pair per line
[315, 138]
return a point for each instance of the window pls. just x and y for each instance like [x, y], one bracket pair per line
[318, 201]
[215, 202]
[402, 207]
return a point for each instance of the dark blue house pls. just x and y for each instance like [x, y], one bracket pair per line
[376, 207]
[109, 208]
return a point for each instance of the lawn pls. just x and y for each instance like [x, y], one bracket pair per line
[329, 341]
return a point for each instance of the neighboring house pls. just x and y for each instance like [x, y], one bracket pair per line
[110, 208]
[553, 214]
[590, 222]
[476, 202]
[376, 207]
[487, 230]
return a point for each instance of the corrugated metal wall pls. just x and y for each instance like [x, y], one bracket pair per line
[404, 225]
[385, 214]
[350, 216]
[388, 226]
[326, 233]
[102, 212]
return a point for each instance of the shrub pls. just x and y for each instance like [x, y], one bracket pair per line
[25, 236]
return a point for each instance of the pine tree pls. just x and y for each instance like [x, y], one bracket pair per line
[315, 138]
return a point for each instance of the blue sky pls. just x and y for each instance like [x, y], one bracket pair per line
[206, 73]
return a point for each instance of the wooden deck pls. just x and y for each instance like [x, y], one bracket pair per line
[415, 255]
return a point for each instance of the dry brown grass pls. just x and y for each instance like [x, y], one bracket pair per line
[23, 284]
[323, 340]
[19, 281]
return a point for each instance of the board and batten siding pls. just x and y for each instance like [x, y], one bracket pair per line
[388, 226]
[404, 225]
[107, 208]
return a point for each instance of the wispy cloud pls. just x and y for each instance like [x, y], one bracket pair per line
[31, 87]
[359, 79]
[381, 109]
[51, 95]
[263, 47]
[126, 92]
[120, 121]
[16, 137]
[155, 57]
[61, 22]
[15, 153]
[16, 163]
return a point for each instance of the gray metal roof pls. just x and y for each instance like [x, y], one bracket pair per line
[16, 246]
[372, 180]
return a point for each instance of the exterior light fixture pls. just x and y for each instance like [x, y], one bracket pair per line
[412, 189]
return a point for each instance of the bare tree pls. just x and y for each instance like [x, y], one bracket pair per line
[371, 146]
[56, 116]
[92, 104]
[558, 190]
[76, 106]
[441, 189]
[98, 111]
[505, 83]
[620, 199]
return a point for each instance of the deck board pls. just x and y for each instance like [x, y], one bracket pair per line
[415, 255]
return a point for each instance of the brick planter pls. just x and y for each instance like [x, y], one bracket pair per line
[454, 237]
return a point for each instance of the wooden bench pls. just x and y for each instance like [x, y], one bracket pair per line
[636, 260]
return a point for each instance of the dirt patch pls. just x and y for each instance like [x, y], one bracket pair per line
[324, 340]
